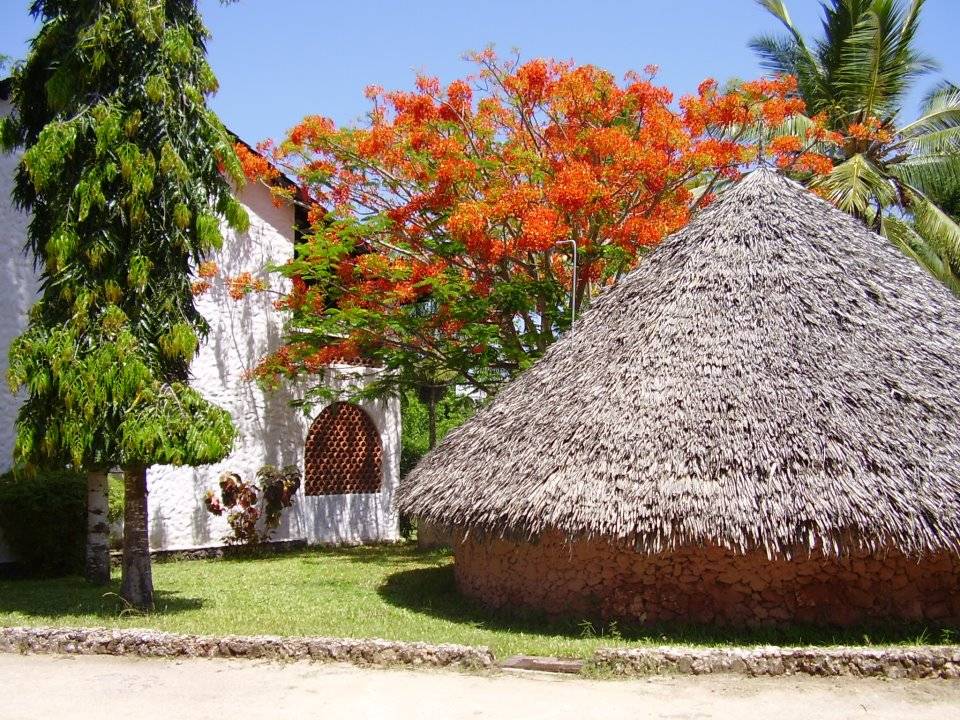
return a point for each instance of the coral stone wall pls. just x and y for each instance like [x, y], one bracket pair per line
[706, 585]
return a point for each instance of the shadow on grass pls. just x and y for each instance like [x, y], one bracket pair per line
[383, 555]
[433, 592]
[73, 596]
[393, 555]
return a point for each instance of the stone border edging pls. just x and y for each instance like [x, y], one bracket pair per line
[153, 643]
[916, 662]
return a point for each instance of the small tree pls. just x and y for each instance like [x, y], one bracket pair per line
[445, 229]
[122, 172]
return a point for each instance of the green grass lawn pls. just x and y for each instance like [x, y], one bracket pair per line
[393, 592]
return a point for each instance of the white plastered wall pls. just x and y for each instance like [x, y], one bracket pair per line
[270, 431]
[17, 293]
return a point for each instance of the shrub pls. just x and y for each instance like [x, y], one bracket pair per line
[274, 494]
[43, 520]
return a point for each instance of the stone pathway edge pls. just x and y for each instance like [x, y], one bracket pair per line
[891, 662]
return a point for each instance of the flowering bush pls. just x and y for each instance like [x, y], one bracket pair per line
[245, 503]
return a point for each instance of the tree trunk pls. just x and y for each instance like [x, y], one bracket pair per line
[430, 535]
[432, 410]
[97, 564]
[136, 584]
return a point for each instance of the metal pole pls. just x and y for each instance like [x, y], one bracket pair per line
[573, 287]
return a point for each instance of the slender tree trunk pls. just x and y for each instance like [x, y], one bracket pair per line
[136, 584]
[431, 535]
[432, 410]
[97, 565]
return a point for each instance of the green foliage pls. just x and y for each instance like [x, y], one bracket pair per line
[107, 409]
[43, 520]
[121, 172]
[452, 411]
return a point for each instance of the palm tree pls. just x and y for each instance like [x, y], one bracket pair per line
[855, 77]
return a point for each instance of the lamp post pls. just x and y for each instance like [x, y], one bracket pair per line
[573, 287]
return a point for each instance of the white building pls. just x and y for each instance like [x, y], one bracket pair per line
[349, 453]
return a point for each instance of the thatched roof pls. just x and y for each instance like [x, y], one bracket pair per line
[774, 375]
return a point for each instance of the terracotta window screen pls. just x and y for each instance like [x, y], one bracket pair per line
[343, 453]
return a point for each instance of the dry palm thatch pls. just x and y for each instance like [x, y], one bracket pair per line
[773, 376]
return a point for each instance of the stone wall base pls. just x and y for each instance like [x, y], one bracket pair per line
[151, 643]
[918, 662]
[707, 585]
[212, 552]
[912, 662]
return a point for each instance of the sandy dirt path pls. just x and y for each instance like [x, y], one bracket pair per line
[77, 687]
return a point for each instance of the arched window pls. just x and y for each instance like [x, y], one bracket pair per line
[343, 453]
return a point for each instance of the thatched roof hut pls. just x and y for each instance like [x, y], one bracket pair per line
[773, 376]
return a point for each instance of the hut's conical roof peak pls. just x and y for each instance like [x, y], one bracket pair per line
[772, 375]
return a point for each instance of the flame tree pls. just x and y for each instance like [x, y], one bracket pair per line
[442, 231]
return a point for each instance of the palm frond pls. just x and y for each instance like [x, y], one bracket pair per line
[791, 55]
[838, 23]
[944, 86]
[937, 141]
[905, 237]
[778, 8]
[928, 171]
[920, 62]
[878, 61]
[913, 62]
[936, 227]
[797, 124]
[777, 54]
[915, 246]
[941, 111]
[854, 183]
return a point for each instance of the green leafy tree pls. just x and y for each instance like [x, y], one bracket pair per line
[424, 426]
[854, 80]
[428, 412]
[123, 172]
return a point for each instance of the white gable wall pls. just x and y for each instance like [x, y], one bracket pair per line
[269, 430]
[17, 294]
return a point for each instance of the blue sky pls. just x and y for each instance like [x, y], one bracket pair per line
[278, 60]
